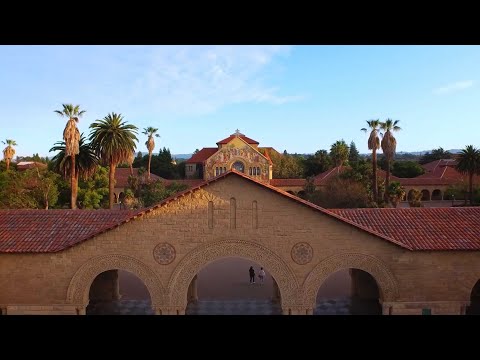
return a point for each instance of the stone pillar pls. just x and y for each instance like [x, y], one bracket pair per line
[192, 294]
[276, 298]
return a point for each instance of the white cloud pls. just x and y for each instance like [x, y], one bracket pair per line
[453, 87]
[202, 79]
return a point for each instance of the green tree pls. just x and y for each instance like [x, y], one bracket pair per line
[374, 145]
[154, 192]
[309, 187]
[339, 152]
[317, 163]
[71, 136]
[341, 193]
[9, 152]
[113, 140]
[13, 193]
[44, 187]
[435, 154]
[407, 169]
[353, 154]
[93, 190]
[468, 162]
[85, 164]
[389, 147]
[395, 193]
[150, 144]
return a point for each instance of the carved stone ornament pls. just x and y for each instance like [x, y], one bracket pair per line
[302, 253]
[164, 253]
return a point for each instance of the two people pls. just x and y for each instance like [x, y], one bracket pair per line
[261, 275]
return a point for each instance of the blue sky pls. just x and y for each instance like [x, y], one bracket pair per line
[294, 98]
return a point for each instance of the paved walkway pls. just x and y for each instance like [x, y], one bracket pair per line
[340, 306]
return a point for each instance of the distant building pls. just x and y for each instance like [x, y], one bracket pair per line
[236, 152]
[25, 165]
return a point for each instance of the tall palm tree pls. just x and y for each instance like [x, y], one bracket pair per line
[468, 162]
[130, 160]
[374, 145]
[150, 143]
[71, 136]
[389, 147]
[113, 140]
[86, 160]
[9, 151]
[339, 153]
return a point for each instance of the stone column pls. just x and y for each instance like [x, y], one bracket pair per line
[276, 298]
[115, 286]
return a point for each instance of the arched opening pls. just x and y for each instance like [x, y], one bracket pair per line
[121, 196]
[348, 292]
[118, 292]
[410, 195]
[239, 166]
[224, 287]
[291, 192]
[301, 194]
[425, 195]
[115, 198]
[474, 308]
[437, 194]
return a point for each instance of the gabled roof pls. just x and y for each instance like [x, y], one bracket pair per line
[122, 174]
[39, 231]
[202, 155]
[241, 136]
[451, 228]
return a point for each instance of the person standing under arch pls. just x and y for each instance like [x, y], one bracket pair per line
[252, 275]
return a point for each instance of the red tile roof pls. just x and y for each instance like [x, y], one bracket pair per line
[288, 182]
[422, 228]
[202, 155]
[42, 231]
[233, 136]
[122, 174]
[413, 229]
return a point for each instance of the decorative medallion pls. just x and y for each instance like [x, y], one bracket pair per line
[164, 253]
[302, 253]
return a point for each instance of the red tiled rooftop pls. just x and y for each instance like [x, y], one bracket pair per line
[202, 155]
[233, 136]
[43, 231]
[422, 228]
[122, 174]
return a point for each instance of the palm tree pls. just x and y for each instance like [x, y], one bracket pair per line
[130, 160]
[150, 143]
[468, 162]
[113, 140]
[389, 147]
[396, 193]
[339, 153]
[9, 151]
[86, 160]
[374, 145]
[71, 136]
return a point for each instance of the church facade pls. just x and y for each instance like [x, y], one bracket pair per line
[236, 152]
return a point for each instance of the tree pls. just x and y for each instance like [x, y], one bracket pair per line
[85, 164]
[93, 190]
[435, 154]
[130, 161]
[374, 145]
[150, 143]
[44, 187]
[407, 169]
[353, 154]
[9, 151]
[416, 198]
[309, 187]
[71, 136]
[113, 141]
[339, 153]
[389, 147]
[395, 193]
[468, 162]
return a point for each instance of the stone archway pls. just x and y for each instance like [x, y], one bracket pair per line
[194, 261]
[385, 279]
[78, 290]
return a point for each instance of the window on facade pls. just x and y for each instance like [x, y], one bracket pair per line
[254, 171]
[258, 171]
[238, 165]
[216, 171]
[224, 169]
